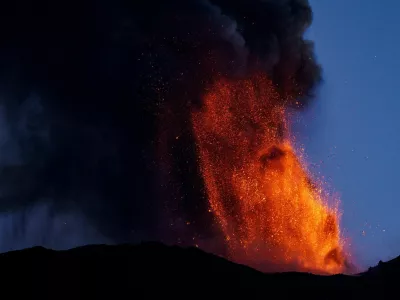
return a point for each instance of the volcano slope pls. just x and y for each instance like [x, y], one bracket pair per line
[101, 271]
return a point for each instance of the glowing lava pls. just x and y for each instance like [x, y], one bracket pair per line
[261, 195]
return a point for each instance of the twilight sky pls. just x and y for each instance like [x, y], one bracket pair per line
[354, 127]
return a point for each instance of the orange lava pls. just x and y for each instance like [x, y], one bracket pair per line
[261, 195]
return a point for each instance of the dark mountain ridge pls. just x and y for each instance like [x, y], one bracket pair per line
[102, 271]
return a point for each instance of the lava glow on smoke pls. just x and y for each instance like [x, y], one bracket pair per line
[269, 210]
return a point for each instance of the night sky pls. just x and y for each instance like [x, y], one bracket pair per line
[353, 128]
[74, 152]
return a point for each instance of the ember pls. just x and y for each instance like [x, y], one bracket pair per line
[268, 208]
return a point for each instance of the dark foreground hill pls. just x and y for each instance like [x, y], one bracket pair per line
[152, 269]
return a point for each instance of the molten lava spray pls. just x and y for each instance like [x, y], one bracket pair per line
[262, 197]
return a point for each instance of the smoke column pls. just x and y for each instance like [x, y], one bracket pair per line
[96, 101]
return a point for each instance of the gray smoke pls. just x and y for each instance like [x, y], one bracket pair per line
[83, 87]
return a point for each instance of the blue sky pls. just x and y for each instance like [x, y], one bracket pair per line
[352, 131]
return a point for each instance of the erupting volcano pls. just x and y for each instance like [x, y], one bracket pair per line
[268, 208]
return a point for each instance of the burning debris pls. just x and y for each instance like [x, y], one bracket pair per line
[258, 188]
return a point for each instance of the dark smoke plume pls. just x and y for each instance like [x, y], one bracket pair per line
[95, 99]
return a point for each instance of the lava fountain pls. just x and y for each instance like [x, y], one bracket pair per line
[262, 197]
